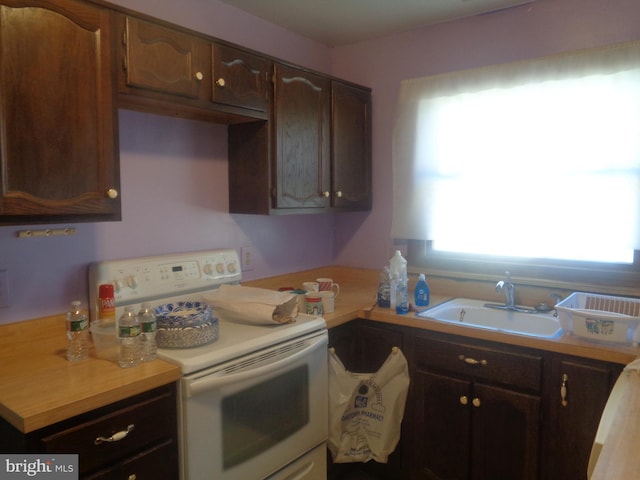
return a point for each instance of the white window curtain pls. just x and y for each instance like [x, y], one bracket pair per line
[537, 158]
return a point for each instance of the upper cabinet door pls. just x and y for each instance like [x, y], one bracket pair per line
[165, 60]
[301, 118]
[350, 147]
[240, 78]
[57, 115]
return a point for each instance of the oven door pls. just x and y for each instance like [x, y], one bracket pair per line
[250, 417]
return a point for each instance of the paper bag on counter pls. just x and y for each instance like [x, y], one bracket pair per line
[253, 305]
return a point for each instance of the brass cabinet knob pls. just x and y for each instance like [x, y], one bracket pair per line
[476, 402]
[112, 193]
[326, 194]
[339, 194]
[199, 75]
[220, 82]
[464, 400]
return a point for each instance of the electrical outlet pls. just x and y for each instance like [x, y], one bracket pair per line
[247, 258]
[4, 288]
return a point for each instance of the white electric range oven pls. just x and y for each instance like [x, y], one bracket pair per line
[253, 404]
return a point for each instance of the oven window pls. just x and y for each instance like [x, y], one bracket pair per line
[261, 416]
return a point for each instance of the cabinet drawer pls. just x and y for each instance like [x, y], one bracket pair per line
[153, 421]
[480, 362]
[158, 462]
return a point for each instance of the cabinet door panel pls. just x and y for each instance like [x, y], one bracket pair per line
[240, 78]
[442, 443]
[56, 110]
[302, 138]
[575, 423]
[165, 60]
[351, 147]
[506, 434]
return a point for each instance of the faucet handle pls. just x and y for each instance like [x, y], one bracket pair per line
[557, 297]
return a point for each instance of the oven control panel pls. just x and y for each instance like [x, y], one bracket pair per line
[151, 278]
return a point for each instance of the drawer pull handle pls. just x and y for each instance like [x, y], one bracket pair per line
[563, 390]
[116, 437]
[472, 361]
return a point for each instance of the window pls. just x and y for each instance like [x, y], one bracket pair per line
[537, 161]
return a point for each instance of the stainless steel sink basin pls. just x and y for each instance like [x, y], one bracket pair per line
[474, 313]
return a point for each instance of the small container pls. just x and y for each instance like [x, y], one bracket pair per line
[106, 303]
[421, 293]
[398, 265]
[105, 339]
[77, 333]
[129, 338]
[402, 297]
[384, 299]
[148, 328]
[313, 304]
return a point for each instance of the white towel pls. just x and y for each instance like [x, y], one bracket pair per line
[253, 305]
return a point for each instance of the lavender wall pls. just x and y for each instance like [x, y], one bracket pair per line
[174, 172]
[174, 188]
[541, 28]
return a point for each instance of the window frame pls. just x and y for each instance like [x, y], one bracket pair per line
[548, 272]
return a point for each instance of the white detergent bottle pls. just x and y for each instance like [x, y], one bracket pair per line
[398, 265]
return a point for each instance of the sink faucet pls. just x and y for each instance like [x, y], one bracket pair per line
[509, 290]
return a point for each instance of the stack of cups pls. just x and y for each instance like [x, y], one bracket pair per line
[322, 292]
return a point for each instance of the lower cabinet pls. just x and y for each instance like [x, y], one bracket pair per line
[577, 391]
[133, 438]
[479, 409]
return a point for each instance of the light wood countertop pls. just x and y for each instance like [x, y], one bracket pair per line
[357, 299]
[39, 386]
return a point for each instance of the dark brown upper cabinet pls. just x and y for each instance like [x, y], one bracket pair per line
[58, 144]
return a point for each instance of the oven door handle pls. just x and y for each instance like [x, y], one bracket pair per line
[195, 386]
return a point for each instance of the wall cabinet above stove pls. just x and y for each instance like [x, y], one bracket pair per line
[168, 70]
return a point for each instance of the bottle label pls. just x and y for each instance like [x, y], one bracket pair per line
[148, 327]
[77, 325]
[129, 331]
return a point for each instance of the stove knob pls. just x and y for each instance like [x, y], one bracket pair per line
[220, 268]
[208, 269]
[232, 267]
[132, 281]
[117, 285]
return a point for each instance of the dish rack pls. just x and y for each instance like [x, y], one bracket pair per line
[601, 317]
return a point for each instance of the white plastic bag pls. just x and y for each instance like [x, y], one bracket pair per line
[366, 409]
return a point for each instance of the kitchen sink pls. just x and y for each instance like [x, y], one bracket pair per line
[474, 313]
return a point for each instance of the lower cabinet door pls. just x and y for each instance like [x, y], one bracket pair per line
[505, 434]
[442, 424]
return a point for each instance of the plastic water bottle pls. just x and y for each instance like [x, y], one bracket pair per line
[421, 292]
[398, 265]
[393, 290]
[129, 337]
[148, 345]
[402, 297]
[77, 333]
[384, 299]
